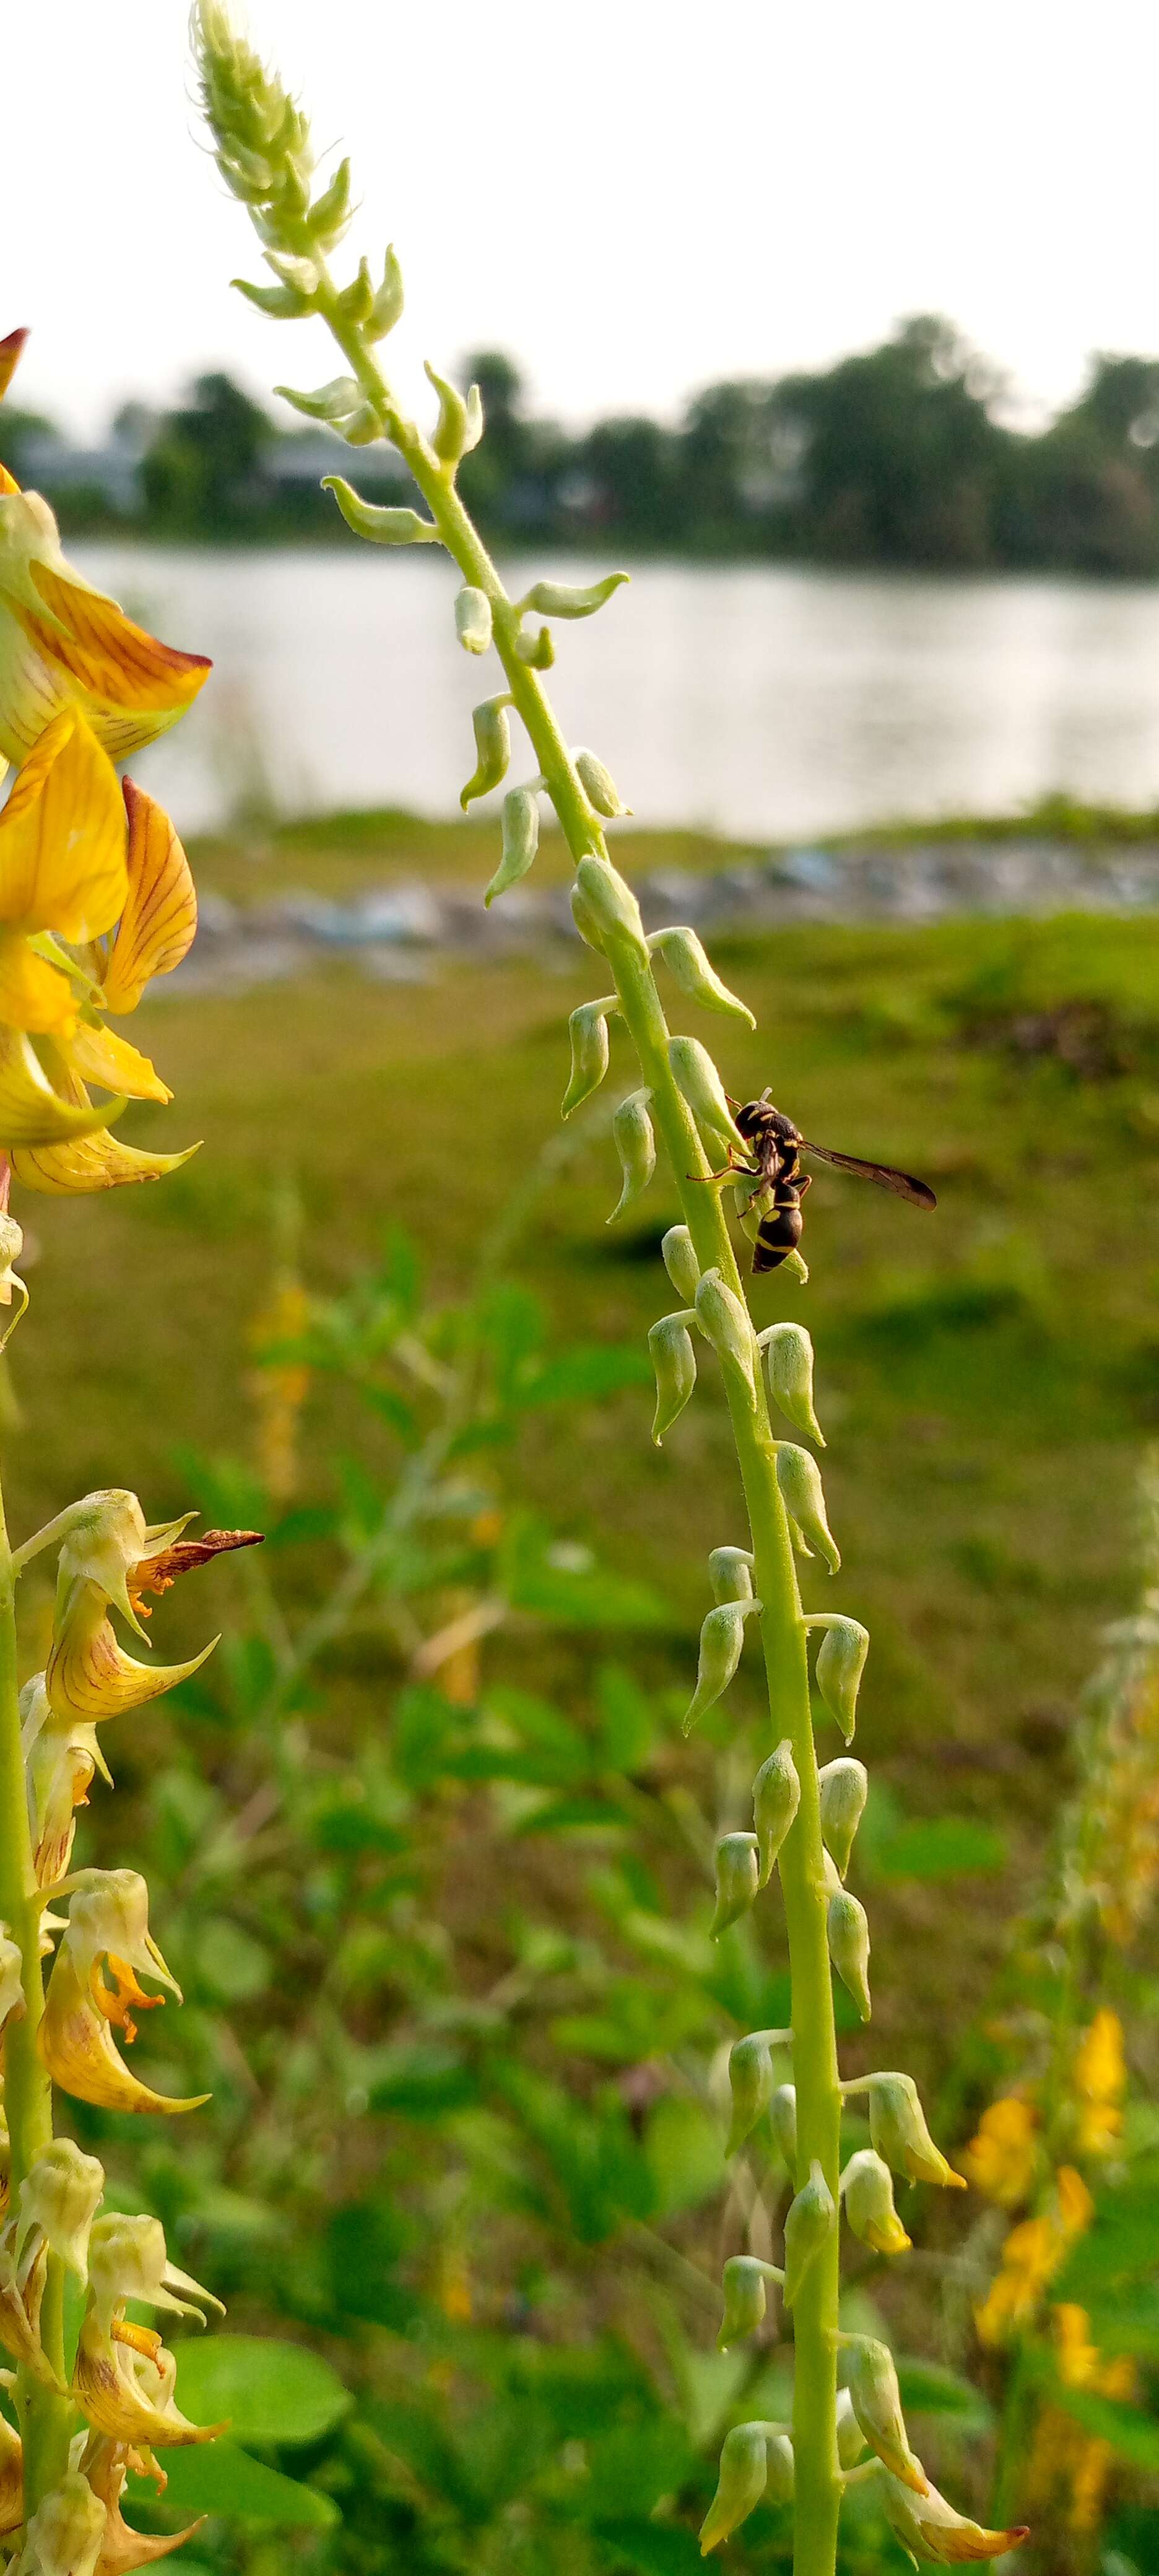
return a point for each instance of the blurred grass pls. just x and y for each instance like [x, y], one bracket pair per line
[986, 1377]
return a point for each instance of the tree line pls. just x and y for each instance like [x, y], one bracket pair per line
[895, 456]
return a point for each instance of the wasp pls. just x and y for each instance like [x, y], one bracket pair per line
[778, 1183]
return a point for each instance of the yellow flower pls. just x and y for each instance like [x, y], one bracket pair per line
[62, 869]
[93, 1985]
[1031, 2256]
[928, 2526]
[1100, 2081]
[106, 2469]
[123, 2378]
[1002, 2160]
[64, 644]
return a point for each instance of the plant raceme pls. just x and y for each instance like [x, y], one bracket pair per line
[96, 897]
[805, 1822]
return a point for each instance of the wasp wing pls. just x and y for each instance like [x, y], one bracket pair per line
[902, 1184]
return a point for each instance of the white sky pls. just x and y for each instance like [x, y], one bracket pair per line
[632, 196]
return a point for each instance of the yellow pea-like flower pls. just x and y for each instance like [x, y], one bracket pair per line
[64, 644]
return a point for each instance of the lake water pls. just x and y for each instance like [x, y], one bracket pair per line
[757, 700]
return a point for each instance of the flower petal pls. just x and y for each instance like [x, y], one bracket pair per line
[91, 1163]
[31, 1112]
[62, 837]
[99, 1055]
[89, 1677]
[33, 995]
[63, 643]
[157, 925]
[115, 2403]
[11, 350]
[76, 2045]
[123, 2549]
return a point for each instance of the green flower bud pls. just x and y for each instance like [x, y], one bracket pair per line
[897, 2126]
[776, 1798]
[387, 306]
[590, 1051]
[332, 402]
[809, 2223]
[783, 2122]
[736, 1880]
[563, 599]
[844, 1789]
[745, 2465]
[789, 1366]
[585, 922]
[850, 2438]
[356, 301]
[381, 527]
[520, 833]
[802, 1493]
[674, 1362]
[290, 270]
[795, 1266]
[745, 2297]
[847, 1925]
[281, 303]
[492, 728]
[692, 970]
[459, 426]
[750, 2076]
[361, 430]
[636, 1146]
[724, 1317]
[876, 2402]
[696, 1076]
[679, 1258]
[867, 2190]
[721, 1640]
[538, 651]
[609, 904]
[59, 2196]
[840, 1664]
[473, 621]
[730, 1572]
[599, 786]
[330, 213]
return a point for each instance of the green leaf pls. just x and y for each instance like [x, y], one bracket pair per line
[591, 1370]
[928, 2389]
[653, 2548]
[684, 2149]
[279, 2393]
[423, 2082]
[217, 2477]
[573, 1815]
[939, 1847]
[627, 1720]
[1133, 2435]
[633, 2464]
[230, 1963]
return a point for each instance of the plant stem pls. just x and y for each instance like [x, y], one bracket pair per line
[45, 2421]
[815, 2069]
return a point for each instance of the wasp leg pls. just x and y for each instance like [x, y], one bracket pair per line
[731, 1167]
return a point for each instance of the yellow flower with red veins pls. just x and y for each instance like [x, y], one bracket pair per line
[64, 644]
[96, 896]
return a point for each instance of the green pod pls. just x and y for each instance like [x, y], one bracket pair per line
[724, 1318]
[381, 527]
[730, 1572]
[695, 1074]
[844, 1789]
[679, 1257]
[636, 1146]
[565, 599]
[750, 2077]
[840, 1664]
[776, 1798]
[847, 1927]
[783, 2122]
[744, 2469]
[386, 309]
[788, 1354]
[876, 2400]
[673, 1357]
[811, 2219]
[520, 840]
[721, 1640]
[803, 1495]
[737, 1880]
[867, 2191]
[743, 2282]
[692, 970]
[492, 729]
[590, 1051]
[610, 905]
[473, 621]
[332, 402]
[599, 786]
[897, 2126]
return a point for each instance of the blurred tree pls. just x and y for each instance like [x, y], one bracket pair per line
[203, 471]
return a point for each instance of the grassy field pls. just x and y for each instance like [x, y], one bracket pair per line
[987, 1377]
